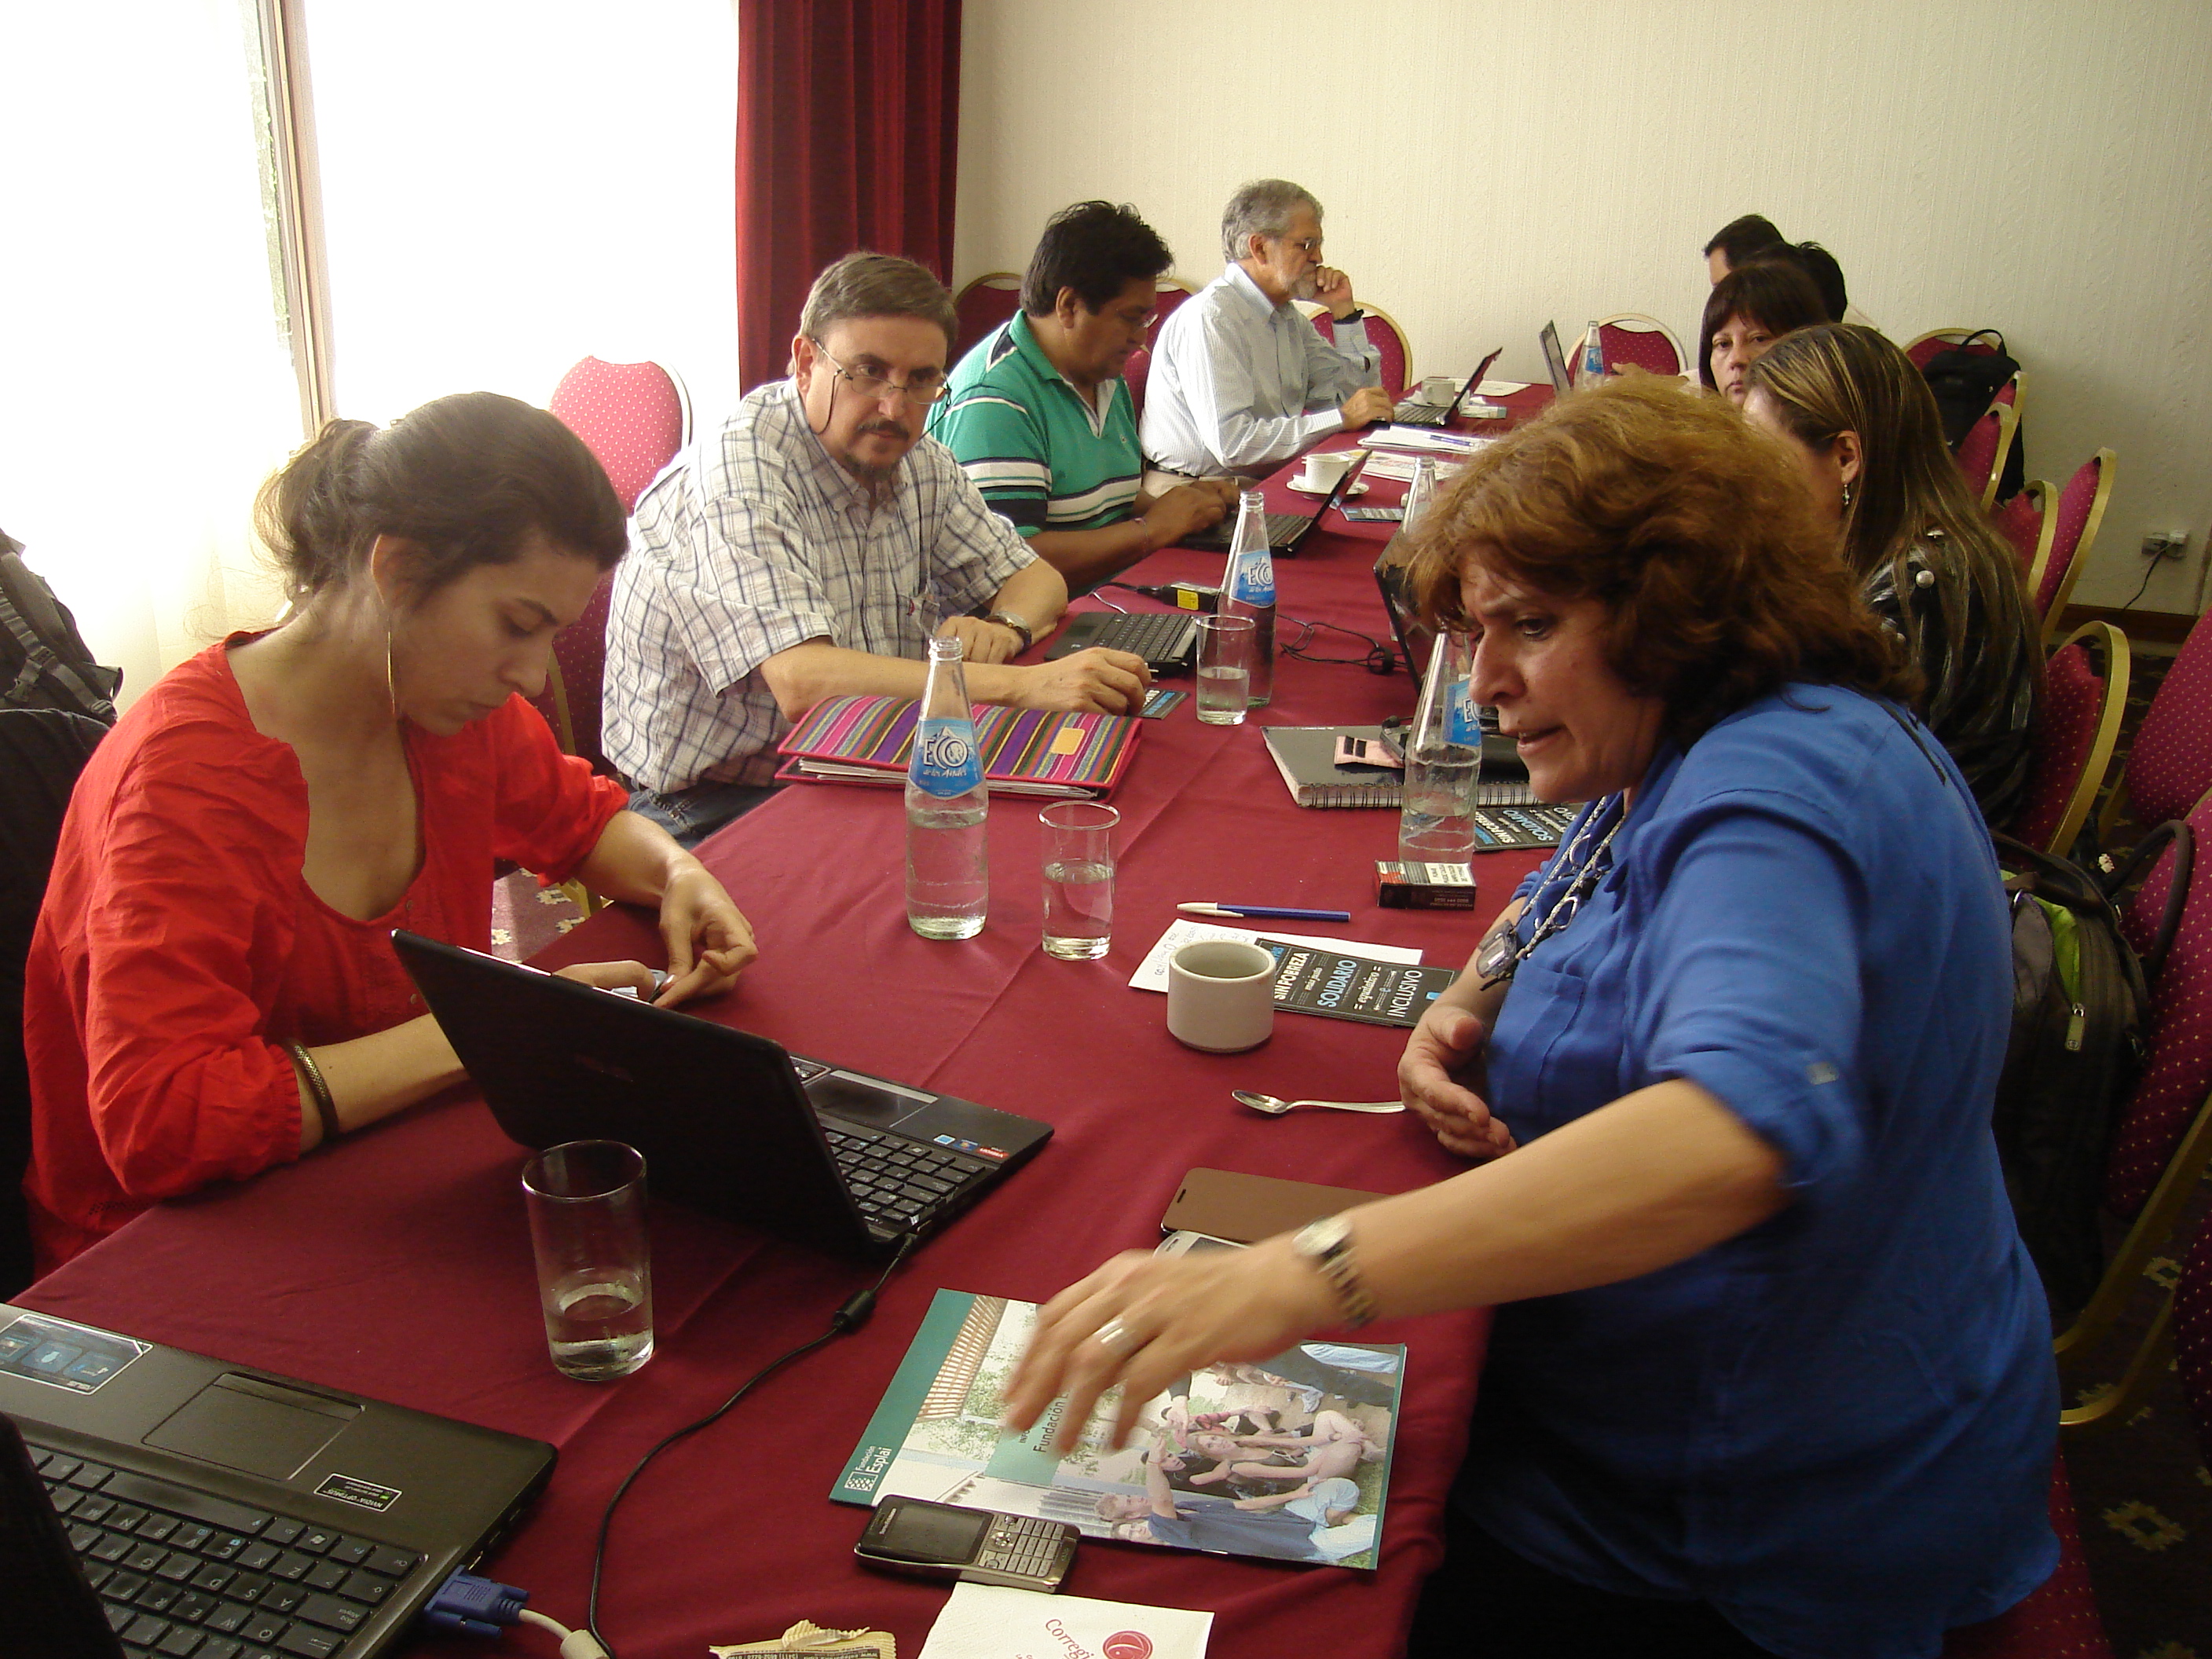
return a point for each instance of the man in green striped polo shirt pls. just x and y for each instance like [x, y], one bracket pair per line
[1040, 419]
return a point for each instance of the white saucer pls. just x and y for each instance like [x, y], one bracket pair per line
[1359, 489]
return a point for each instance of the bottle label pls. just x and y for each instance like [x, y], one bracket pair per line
[944, 761]
[1253, 581]
[1463, 724]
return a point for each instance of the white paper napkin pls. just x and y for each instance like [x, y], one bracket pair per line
[984, 1621]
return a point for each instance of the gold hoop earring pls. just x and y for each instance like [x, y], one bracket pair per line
[390, 685]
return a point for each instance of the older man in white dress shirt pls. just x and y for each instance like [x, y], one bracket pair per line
[1240, 382]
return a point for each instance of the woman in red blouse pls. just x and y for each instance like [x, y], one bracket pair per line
[212, 988]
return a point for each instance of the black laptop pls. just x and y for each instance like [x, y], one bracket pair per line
[1417, 410]
[1287, 532]
[1505, 775]
[1555, 359]
[223, 1512]
[729, 1122]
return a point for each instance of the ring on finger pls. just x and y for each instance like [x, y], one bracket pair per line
[1117, 1338]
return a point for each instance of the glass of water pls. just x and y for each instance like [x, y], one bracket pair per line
[1078, 878]
[1224, 668]
[586, 1201]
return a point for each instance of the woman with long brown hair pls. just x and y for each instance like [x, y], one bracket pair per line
[1864, 428]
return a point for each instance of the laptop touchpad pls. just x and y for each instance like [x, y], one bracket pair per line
[879, 1105]
[244, 1423]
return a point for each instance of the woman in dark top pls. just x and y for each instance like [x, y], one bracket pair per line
[1862, 423]
[1748, 310]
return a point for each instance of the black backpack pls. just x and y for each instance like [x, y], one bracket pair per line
[2081, 1009]
[1964, 384]
[43, 661]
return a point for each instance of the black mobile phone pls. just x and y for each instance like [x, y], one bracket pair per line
[980, 1547]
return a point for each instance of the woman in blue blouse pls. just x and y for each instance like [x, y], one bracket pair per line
[1770, 1372]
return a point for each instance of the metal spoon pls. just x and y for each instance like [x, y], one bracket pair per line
[1275, 1107]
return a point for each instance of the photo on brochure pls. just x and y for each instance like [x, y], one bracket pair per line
[1288, 1459]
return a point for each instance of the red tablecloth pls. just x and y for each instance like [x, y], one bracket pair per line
[397, 1263]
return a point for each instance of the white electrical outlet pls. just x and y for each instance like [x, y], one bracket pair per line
[2166, 545]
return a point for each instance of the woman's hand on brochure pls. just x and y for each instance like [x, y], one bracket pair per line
[1142, 1321]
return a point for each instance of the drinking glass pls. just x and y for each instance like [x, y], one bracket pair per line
[1078, 878]
[586, 1201]
[1224, 669]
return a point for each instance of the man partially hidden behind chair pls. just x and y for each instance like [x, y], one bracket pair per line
[1240, 381]
[1041, 420]
[801, 552]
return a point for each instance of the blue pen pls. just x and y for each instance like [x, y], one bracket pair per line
[1277, 913]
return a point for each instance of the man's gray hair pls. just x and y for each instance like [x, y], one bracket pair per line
[1262, 208]
[878, 285]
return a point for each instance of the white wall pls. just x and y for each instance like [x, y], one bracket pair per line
[2045, 168]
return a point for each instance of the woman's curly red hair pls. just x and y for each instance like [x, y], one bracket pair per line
[1692, 528]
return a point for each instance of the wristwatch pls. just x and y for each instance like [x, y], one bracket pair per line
[1357, 314]
[1008, 619]
[1327, 1244]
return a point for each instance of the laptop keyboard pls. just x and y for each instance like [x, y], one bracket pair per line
[1414, 412]
[1158, 636]
[187, 1576]
[1283, 528]
[896, 1183]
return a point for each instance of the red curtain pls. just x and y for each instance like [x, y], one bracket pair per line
[849, 112]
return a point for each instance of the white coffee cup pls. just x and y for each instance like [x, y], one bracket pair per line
[1324, 467]
[1221, 995]
[1440, 389]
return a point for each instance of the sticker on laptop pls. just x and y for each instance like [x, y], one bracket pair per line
[975, 1146]
[361, 1494]
[64, 1356]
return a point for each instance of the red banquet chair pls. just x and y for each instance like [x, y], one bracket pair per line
[2080, 513]
[1388, 338]
[1633, 340]
[2060, 1620]
[1173, 291]
[1982, 453]
[2077, 722]
[2026, 522]
[634, 418]
[2169, 765]
[985, 303]
[1136, 372]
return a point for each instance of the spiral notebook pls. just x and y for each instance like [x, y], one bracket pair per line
[1025, 752]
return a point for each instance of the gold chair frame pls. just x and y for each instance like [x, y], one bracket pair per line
[2045, 497]
[2113, 708]
[2152, 1230]
[2007, 425]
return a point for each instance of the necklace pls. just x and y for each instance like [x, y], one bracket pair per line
[1502, 957]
